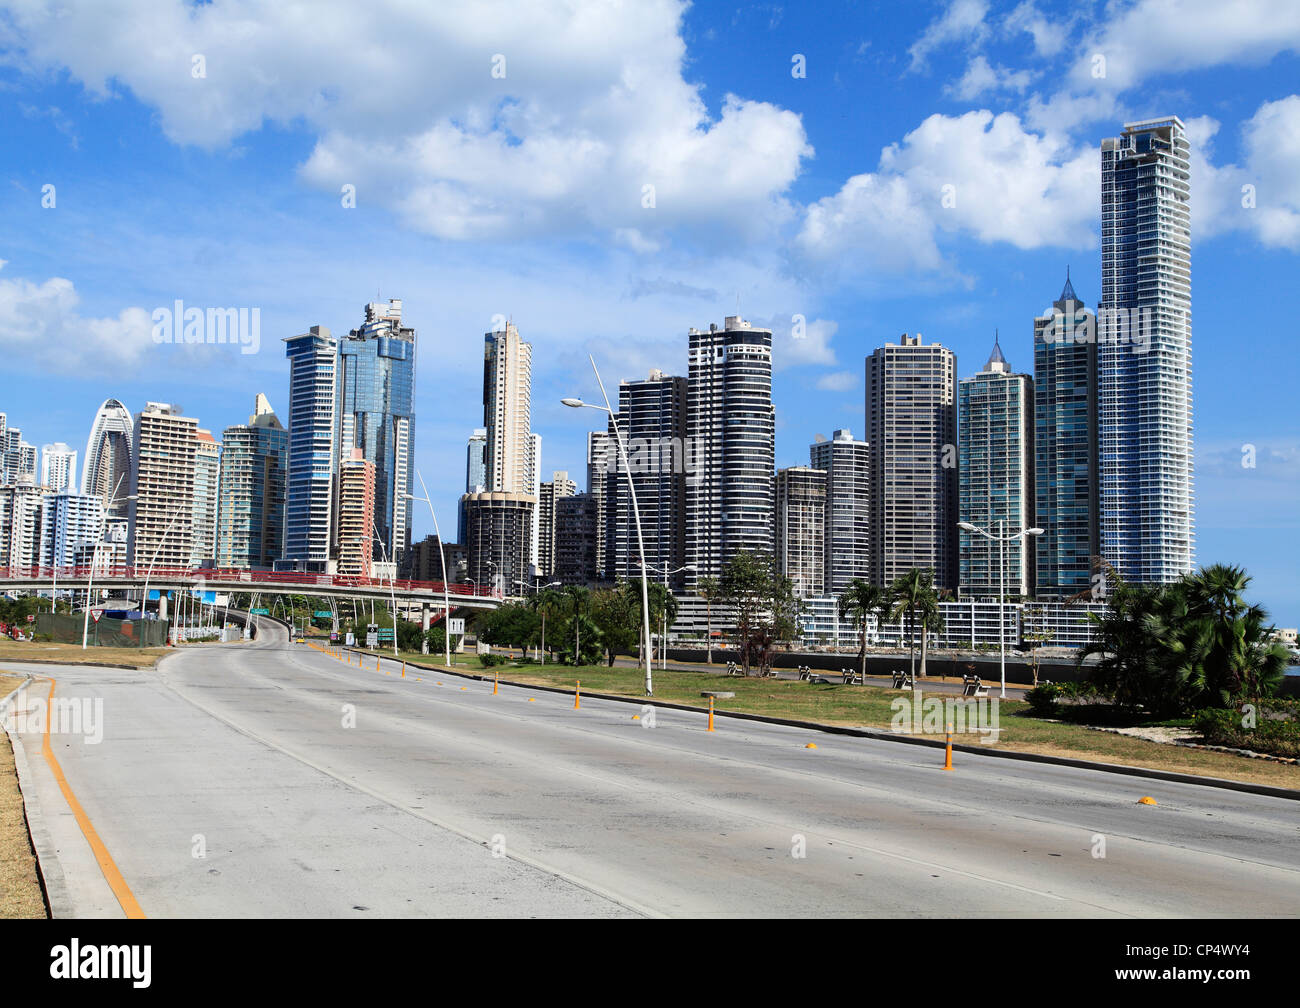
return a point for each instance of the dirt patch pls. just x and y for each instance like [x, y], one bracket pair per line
[72, 654]
[20, 887]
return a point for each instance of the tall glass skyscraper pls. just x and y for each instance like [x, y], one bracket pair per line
[376, 414]
[1065, 447]
[995, 484]
[250, 507]
[1144, 356]
[313, 453]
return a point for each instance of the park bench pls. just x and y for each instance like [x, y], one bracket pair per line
[803, 672]
[851, 677]
[733, 669]
[972, 687]
[902, 680]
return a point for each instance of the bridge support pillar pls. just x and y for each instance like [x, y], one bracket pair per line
[424, 628]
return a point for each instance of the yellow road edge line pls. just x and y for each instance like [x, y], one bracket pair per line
[112, 876]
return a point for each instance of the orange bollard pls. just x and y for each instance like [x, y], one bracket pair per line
[948, 761]
[710, 713]
[403, 670]
[495, 680]
[376, 663]
[577, 695]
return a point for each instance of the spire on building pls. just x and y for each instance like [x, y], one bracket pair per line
[1067, 294]
[996, 361]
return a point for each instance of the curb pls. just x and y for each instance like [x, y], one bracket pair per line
[53, 883]
[1115, 768]
[91, 664]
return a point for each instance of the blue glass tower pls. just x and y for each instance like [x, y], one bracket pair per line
[376, 414]
[313, 456]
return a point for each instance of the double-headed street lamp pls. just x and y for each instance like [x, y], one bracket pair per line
[537, 590]
[94, 559]
[1001, 539]
[663, 637]
[442, 557]
[636, 515]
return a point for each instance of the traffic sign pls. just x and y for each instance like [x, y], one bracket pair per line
[456, 626]
[96, 613]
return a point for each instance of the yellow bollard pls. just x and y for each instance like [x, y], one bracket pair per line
[710, 714]
[495, 679]
[403, 670]
[376, 663]
[948, 761]
[577, 698]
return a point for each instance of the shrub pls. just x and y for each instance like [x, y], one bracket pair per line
[1276, 728]
[1043, 700]
[489, 660]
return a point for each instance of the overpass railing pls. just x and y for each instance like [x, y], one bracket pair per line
[234, 577]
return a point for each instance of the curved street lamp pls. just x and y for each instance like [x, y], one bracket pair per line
[442, 557]
[636, 515]
[1001, 539]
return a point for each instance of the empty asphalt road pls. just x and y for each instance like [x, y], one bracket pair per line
[268, 779]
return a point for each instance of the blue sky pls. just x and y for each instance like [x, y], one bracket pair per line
[500, 154]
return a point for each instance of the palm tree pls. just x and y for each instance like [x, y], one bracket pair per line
[913, 596]
[858, 601]
[579, 598]
[709, 589]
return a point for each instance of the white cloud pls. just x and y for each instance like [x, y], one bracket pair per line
[1269, 177]
[1048, 35]
[838, 381]
[1151, 38]
[981, 78]
[962, 21]
[42, 318]
[592, 107]
[975, 174]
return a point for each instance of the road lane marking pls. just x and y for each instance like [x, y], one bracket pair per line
[112, 876]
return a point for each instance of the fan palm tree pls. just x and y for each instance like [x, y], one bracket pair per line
[913, 595]
[858, 601]
[579, 599]
[710, 590]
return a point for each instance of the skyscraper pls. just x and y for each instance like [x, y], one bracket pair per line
[995, 416]
[20, 524]
[357, 478]
[547, 508]
[18, 459]
[602, 451]
[376, 415]
[59, 468]
[500, 525]
[911, 408]
[69, 522]
[652, 416]
[106, 467]
[801, 528]
[1065, 447]
[160, 526]
[730, 495]
[313, 456]
[575, 539]
[207, 476]
[250, 508]
[512, 452]
[475, 474]
[507, 410]
[847, 524]
[1144, 355]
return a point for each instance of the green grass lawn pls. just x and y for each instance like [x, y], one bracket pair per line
[870, 707]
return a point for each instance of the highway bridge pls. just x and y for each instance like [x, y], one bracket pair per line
[129, 581]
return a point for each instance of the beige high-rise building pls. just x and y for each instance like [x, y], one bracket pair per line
[801, 528]
[207, 473]
[356, 514]
[160, 520]
[507, 412]
[911, 407]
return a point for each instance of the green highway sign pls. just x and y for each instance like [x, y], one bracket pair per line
[385, 633]
[260, 612]
[322, 614]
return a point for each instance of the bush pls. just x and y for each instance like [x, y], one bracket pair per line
[1043, 700]
[489, 660]
[1276, 728]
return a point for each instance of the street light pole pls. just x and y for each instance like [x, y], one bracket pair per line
[442, 559]
[1001, 539]
[94, 558]
[636, 515]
